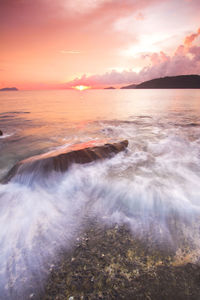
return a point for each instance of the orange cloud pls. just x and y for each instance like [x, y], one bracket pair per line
[190, 38]
[70, 52]
[139, 16]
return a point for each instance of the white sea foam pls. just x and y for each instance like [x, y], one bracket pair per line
[154, 186]
[150, 187]
[6, 135]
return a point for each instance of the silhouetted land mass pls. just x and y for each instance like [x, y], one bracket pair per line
[9, 89]
[109, 88]
[131, 86]
[172, 82]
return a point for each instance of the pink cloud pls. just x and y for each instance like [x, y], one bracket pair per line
[108, 78]
[39, 38]
[185, 60]
[40, 12]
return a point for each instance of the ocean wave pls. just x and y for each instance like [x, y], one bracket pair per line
[154, 189]
[6, 135]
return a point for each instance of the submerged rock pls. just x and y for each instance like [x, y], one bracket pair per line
[1, 132]
[61, 162]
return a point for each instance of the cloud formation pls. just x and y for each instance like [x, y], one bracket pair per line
[190, 38]
[185, 60]
[49, 42]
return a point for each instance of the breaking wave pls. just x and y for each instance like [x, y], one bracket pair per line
[154, 188]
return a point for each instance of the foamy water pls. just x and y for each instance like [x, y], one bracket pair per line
[154, 186]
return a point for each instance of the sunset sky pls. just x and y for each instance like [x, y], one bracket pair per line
[63, 43]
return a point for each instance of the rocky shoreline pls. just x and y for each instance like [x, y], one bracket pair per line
[109, 263]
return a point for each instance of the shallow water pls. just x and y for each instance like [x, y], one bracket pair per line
[154, 186]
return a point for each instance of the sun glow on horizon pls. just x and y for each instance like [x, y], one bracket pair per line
[81, 87]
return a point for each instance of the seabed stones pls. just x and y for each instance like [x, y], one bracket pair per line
[108, 263]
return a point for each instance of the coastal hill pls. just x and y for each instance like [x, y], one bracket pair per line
[9, 89]
[109, 88]
[131, 86]
[172, 82]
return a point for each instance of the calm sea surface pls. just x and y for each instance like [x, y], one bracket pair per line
[153, 184]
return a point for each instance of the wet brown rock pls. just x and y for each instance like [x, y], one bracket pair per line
[61, 162]
[1, 132]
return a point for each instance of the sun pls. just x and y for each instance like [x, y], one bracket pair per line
[81, 87]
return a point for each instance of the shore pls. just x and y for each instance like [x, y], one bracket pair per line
[109, 263]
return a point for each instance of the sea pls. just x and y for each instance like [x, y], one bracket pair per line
[152, 187]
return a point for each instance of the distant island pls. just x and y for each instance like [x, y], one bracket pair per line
[109, 88]
[9, 89]
[172, 82]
